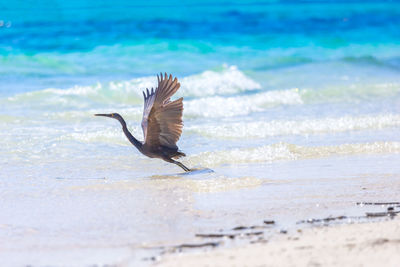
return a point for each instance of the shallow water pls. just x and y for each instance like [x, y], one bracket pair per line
[298, 116]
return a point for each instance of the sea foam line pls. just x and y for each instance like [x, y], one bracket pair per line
[285, 151]
[263, 129]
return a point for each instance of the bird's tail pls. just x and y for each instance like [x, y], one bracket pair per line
[178, 154]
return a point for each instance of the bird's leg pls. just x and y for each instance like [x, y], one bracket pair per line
[167, 159]
[182, 166]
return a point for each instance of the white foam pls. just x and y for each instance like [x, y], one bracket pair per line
[229, 80]
[263, 129]
[285, 151]
[218, 106]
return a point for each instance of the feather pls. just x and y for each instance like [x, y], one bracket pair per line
[162, 119]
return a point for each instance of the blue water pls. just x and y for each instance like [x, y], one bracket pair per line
[63, 43]
[294, 105]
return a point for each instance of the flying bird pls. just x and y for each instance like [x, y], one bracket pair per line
[161, 123]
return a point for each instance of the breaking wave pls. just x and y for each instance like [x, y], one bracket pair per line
[228, 80]
[225, 92]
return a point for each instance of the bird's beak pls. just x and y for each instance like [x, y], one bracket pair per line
[104, 115]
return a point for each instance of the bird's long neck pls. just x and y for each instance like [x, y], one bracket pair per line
[130, 137]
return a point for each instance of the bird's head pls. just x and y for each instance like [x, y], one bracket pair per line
[111, 115]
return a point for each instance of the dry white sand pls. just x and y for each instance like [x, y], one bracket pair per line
[362, 244]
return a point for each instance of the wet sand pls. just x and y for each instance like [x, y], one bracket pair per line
[146, 220]
[360, 244]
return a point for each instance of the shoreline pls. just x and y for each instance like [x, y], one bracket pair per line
[355, 244]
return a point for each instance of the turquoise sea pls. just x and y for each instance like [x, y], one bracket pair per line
[295, 105]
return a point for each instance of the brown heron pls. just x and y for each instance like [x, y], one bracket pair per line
[161, 123]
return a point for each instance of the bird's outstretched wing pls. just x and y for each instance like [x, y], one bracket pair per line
[162, 119]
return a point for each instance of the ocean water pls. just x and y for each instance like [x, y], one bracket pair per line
[295, 106]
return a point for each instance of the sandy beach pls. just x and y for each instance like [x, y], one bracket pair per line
[291, 119]
[361, 244]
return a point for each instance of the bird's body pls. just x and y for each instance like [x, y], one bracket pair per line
[162, 122]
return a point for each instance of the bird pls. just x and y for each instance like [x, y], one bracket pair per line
[161, 123]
